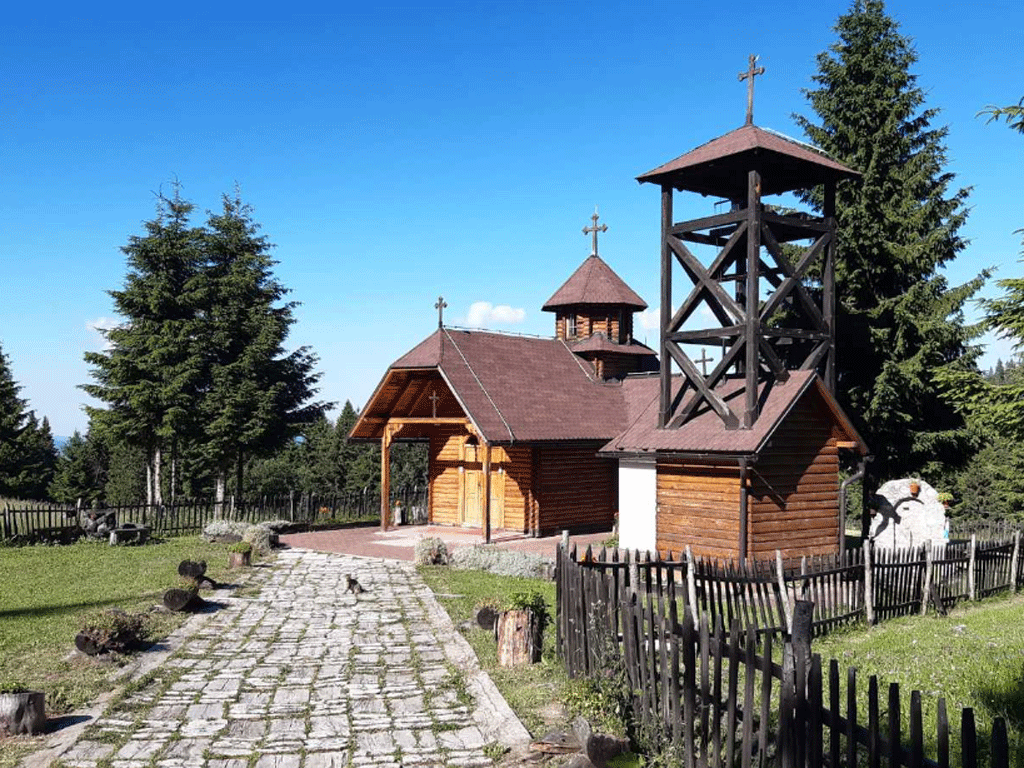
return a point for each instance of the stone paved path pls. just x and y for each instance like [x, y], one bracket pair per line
[304, 675]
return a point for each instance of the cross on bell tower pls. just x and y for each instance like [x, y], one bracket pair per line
[749, 76]
[595, 229]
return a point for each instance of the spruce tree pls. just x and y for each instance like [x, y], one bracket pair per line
[898, 320]
[12, 426]
[258, 395]
[72, 479]
[151, 374]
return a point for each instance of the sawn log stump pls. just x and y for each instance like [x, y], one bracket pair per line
[183, 600]
[519, 638]
[22, 712]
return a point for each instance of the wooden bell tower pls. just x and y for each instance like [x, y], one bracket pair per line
[773, 301]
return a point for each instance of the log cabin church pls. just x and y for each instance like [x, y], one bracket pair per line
[576, 431]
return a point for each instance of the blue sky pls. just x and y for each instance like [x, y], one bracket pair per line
[397, 153]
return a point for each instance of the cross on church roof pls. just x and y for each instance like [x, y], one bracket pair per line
[749, 75]
[595, 229]
[440, 311]
[704, 360]
[433, 404]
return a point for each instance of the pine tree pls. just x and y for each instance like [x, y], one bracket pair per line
[258, 395]
[897, 319]
[151, 375]
[12, 427]
[38, 459]
[72, 479]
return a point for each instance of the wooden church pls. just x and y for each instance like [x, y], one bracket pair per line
[535, 435]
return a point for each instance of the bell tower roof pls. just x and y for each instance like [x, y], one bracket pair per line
[720, 167]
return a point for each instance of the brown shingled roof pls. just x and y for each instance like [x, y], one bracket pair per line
[720, 167]
[705, 432]
[515, 388]
[594, 282]
[601, 343]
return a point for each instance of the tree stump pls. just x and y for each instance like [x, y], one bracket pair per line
[22, 712]
[240, 559]
[519, 638]
[179, 600]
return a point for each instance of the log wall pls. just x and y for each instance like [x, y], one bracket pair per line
[518, 481]
[446, 446]
[575, 489]
[615, 324]
[698, 505]
[794, 489]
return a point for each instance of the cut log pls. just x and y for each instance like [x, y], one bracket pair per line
[519, 638]
[186, 600]
[191, 570]
[240, 559]
[22, 713]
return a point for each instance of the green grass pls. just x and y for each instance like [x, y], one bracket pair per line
[528, 688]
[974, 658]
[47, 594]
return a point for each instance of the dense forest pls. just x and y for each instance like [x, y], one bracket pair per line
[200, 396]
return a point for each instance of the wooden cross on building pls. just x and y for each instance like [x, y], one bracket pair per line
[440, 311]
[749, 75]
[433, 404]
[703, 360]
[595, 229]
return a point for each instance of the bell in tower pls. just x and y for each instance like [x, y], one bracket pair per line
[767, 279]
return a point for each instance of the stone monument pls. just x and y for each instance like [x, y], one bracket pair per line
[903, 518]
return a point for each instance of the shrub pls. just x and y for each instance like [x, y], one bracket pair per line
[241, 547]
[505, 562]
[431, 551]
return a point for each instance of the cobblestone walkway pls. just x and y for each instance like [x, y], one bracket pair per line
[305, 675]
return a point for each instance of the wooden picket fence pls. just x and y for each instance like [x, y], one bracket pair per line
[56, 522]
[706, 696]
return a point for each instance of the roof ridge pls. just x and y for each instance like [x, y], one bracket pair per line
[480, 384]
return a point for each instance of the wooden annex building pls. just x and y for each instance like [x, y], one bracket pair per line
[535, 435]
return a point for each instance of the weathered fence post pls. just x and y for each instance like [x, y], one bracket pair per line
[691, 584]
[1014, 561]
[926, 589]
[565, 540]
[972, 593]
[780, 574]
[796, 661]
[869, 586]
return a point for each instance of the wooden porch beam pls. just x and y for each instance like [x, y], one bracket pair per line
[420, 420]
[385, 476]
[487, 490]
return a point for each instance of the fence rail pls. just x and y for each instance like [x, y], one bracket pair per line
[712, 697]
[189, 516]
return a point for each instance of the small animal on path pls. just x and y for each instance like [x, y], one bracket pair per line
[353, 586]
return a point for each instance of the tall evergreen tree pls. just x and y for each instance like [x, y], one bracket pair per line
[12, 424]
[73, 478]
[151, 374]
[258, 395]
[897, 319]
[38, 458]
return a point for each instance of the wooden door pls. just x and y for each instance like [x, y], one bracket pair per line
[473, 503]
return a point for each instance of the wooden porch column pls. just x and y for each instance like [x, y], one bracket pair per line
[385, 476]
[487, 490]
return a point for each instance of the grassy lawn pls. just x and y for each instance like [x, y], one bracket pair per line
[527, 689]
[974, 658]
[47, 594]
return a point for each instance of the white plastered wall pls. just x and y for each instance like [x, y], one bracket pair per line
[638, 505]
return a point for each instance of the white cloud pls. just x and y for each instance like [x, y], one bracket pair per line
[650, 319]
[483, 314]
[98, 326]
